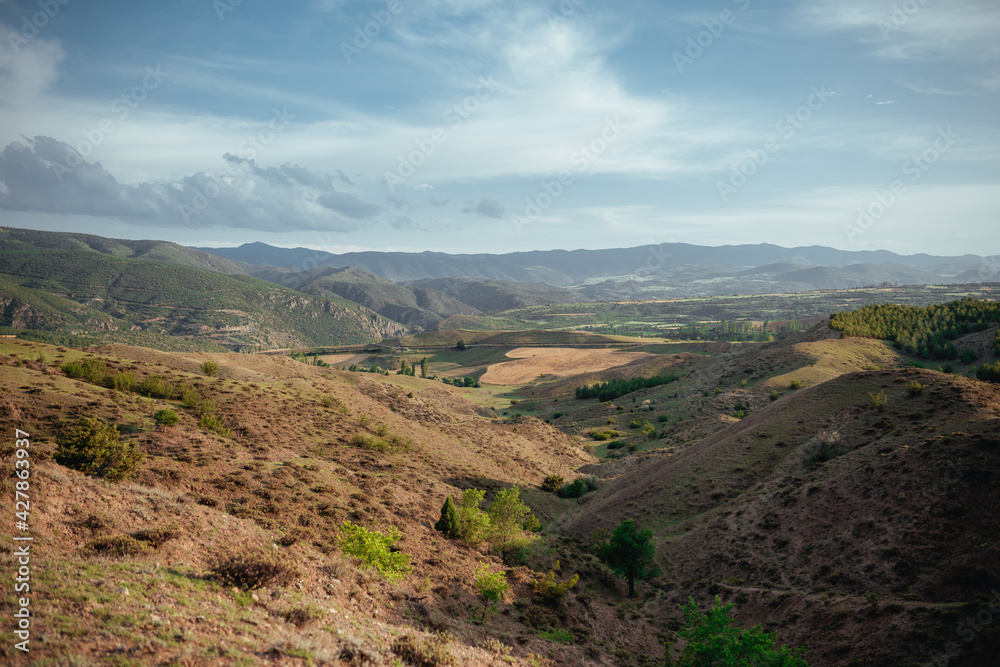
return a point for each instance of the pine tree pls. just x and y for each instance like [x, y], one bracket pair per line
[448, 523]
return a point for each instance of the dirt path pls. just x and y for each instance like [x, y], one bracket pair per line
[530, 362]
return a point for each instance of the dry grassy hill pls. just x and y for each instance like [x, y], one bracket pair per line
[856, 532]
[121, 573]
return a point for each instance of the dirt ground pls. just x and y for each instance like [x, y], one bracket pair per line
[530, 362]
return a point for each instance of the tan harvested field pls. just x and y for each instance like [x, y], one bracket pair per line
[530, 362]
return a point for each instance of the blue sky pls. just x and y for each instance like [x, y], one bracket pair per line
[480, 126]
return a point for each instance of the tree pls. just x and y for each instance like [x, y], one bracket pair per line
[403, 368]
[509, 517]
[630, 553]
[473, 523]
[449, 523]
[209, 368]
[165, 418]
[492, 588]
[713, 640]
[461, 344]
[95, 448]
[423, 367]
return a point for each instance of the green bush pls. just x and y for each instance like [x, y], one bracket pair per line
[190, 398]
[154, 386]
[914, 388]
[165, 417]
[492, 588]
[553, 483]
[989, 372]
[795, 384]
[210, 368]
[121, 381]
[90, 369]
[617, 444]
[774, 395]
[578, 487]
[968, 355]
[880, 401]
[551, 592]
[449, 523]
[375, 550]
[713, 639]
[211, 422]
[95, 448]
[603, 435]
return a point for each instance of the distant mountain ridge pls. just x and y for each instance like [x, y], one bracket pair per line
[562, 268]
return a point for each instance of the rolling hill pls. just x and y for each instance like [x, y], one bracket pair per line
[416, 307]
[101, 293]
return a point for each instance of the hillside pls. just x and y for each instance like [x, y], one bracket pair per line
[415, 307]
[282, 483]
[890, 516]
[105, 295]
[499, 295]
[156, 251]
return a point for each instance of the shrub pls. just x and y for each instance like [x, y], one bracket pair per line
[795, 384]
[449, 523]
[375, 550]
[617, 444]
[713, 639]
[121, 546]
[90, 369]
[914, 388]
[774, 395]
[603, 435]
[473, 522]
[551, 592]
[157, 537]
[95, 448]
[393, 445]
[662, 418]
[209, 368]
[190, 399]
[989, 372]
[578, 487]
[553, 483]
[165, 418]
[492, 588]
[122, 381]
[251, 571]
[968, 356]
[211, 422]
[880, 401]
[154, 386]
[429, 652]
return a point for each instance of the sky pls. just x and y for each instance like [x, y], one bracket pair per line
[501, 126]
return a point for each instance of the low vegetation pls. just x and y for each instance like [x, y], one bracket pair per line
[612, 389]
